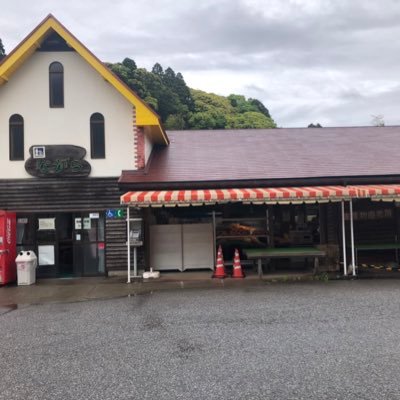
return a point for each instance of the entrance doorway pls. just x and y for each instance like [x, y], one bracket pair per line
[66, 244]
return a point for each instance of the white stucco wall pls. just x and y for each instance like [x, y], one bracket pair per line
[85, 92]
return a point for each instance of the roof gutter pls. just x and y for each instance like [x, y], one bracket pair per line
[317, 181]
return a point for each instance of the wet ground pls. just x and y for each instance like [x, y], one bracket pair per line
[83, 289]
[291, 340]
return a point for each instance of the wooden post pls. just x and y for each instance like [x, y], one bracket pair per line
[322, 224]
[259, 268]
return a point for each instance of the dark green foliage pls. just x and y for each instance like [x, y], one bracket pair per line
[175, 121]
[2, 50]
[183, 108]
[157, 69]
[260, 107]
[317, 125]
[129, 63]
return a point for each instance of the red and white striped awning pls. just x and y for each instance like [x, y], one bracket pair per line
[284, 195]
[379, 192]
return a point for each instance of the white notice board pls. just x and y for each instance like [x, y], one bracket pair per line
[47, 224]
[46, 255]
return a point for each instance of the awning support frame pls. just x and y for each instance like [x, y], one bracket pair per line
[128, 242]
[353, 262]
[344, 241]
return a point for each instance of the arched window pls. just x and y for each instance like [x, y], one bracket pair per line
[97, 136]
[56, 85]
[16, 129]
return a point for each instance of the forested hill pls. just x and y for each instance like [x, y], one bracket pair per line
[181, 107]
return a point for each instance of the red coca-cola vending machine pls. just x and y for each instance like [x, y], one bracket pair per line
[8, 247]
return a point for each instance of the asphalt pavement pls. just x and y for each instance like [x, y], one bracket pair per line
[292, 340]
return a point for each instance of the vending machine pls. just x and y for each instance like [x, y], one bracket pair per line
[8, 247]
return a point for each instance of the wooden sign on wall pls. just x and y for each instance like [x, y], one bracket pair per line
[49, 161]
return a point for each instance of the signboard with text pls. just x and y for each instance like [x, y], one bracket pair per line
[57, 161]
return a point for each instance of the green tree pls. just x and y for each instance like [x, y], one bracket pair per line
[240, 104]
[215, 112]
[175, 122]
[157, 69]
[183, 108]
[250, 119]
[259, 107]
[183, 91]
[207, 120]
[130, 64]
[209, 101]
[317, 125]
[2, 50]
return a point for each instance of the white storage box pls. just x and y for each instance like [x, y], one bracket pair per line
[26, 267]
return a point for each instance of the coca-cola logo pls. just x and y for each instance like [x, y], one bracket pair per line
[8, 230]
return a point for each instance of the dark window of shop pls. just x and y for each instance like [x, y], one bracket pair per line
[56, 85]
[97, 136]
[16, 127]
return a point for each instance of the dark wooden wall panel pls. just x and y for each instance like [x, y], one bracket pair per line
[33, 195]
[116, 253]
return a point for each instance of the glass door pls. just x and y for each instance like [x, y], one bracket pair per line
[65, 245]
[89, 243]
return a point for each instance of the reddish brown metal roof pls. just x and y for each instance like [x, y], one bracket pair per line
[232, 156]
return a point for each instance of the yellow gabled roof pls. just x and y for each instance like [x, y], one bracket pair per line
[145, 115]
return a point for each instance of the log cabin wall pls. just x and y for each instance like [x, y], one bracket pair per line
[34, 195]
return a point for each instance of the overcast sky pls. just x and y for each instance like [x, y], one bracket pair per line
[333, 62]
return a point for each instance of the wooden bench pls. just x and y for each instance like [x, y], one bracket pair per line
[284, 252]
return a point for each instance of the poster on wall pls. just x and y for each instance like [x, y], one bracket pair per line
[46, 255]
[78, 223]
[87, 223]
[47, 224]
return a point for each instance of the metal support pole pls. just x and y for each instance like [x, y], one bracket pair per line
[135, 273]
[215, 235]
[344, 242]
[128, 242]
[353, 263]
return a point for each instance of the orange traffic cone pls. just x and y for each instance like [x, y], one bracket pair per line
[220, 267]
[237, 267]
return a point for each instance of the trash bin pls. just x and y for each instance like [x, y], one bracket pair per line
[26, 267]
